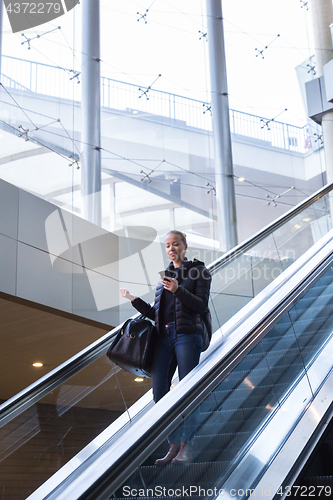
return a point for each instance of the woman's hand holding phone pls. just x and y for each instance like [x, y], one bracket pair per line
[170, 284]
[168, 281]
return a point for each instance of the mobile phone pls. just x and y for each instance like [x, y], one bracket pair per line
[167, 273]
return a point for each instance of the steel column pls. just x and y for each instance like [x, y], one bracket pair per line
[91, 174]
[225, 188]
[322, 18]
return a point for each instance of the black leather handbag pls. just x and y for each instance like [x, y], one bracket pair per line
[207, 329]
[133, 347]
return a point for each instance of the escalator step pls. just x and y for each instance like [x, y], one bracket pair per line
[307, 325]
[284, 342]
[290, 339]
[246, 419]
[220, 441]
[176, 476]
[319, 481]
[234, 426]
[272, 359]
[234, 402]
[258, 376]
[329, 444]
[280, 329]
[241, 391]
[249, 362]
[242, 396]
[322, 305]
[321, 289]
[234, 379]
[313, 339]
[318, 289]
[219, 394]
[284, 354]
[225, 415]
[307, 301]
[226, 455]
[220, 447]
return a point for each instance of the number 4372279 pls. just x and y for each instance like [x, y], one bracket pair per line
[305, 491]
[34, 8]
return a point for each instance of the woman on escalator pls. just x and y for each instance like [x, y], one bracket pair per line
[179, 299]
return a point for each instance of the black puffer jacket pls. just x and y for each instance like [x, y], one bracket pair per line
[191, 298]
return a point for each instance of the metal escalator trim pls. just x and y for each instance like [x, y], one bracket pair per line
[263, 233]
[303, 455]
[28, 396]
[109, 466]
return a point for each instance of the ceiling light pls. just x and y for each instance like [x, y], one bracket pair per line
[171, 177]
[37, 364]
[241, 179]
[307, 219]
[138, 379]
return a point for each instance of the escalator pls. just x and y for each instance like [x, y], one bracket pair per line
[58, 428]
[263, 395]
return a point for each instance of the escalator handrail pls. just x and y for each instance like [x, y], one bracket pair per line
[91, 468]
[28, 396]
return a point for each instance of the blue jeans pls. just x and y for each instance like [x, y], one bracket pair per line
[171, 350]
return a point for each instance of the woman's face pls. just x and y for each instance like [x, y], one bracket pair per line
[175, 248]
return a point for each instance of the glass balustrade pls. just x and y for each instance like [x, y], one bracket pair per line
[241, 279]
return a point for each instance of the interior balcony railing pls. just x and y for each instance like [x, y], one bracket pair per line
[55, 81]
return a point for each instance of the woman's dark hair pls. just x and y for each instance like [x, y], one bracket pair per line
[180, 234]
